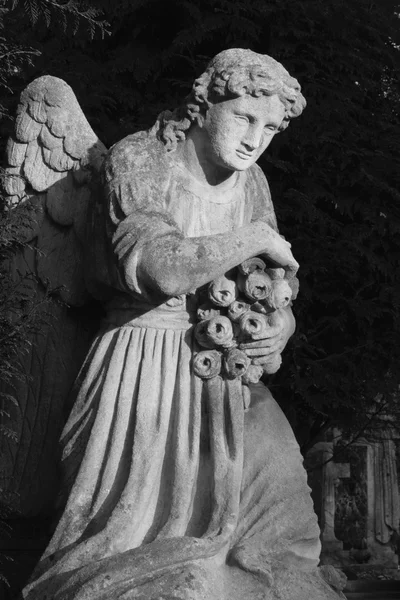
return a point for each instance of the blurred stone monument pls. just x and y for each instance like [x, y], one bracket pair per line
[357, 501]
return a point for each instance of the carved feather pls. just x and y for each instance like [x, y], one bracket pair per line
[15, 152]
[37, 111]
[35, 91]
[39, 175]
[57, 120]
[80, 140]
[56, 91]
[57, 159]
[14, 182]
[49, 140]
[26, 128]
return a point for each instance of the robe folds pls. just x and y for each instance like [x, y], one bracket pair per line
[166, 474]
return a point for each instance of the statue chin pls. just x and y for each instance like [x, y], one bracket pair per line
[181, 475]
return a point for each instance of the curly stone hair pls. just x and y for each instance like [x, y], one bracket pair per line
[231, 74]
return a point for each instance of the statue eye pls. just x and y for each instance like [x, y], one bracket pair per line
[242, 118]
[270, 128]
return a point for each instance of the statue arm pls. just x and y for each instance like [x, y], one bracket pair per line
[154, 256]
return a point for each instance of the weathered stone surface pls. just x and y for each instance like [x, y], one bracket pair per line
[176, 485]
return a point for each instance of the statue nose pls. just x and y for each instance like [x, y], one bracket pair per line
[252, 139]
[250, 146]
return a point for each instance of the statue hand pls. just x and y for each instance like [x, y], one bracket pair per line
[278, 250]
[260, 351]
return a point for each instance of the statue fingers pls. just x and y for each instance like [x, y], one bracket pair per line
[260, 352]
[263, 360]
[261, 343]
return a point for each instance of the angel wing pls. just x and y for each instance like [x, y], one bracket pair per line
[54, 159]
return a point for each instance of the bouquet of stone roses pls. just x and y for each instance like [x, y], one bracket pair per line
[242, 306]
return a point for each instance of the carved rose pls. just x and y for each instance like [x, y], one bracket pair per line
[258, 326]
[207, 311]
[281, 293]
[236, 363]
[207, 364]
[237, 309]
[254, 325]
[256, 286]
[222, 291]
[251, 265]
[253, 374]
[220, 331]
[217, 331]
[201, 335]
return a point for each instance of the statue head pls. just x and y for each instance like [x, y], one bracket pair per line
[232, 74]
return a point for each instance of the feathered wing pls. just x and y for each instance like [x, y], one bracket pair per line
[54, 159]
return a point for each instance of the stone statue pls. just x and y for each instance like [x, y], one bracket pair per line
[182, 477]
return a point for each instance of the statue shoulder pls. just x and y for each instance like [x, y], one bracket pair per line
[140, 156]
[257, 181]
[257, 188]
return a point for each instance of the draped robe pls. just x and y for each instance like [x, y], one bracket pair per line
[165, 474]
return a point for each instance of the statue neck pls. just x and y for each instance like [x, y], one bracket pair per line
[193, 155]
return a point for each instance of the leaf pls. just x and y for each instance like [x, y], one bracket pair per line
[8, 433]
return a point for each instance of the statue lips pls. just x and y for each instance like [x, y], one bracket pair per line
[244, 155]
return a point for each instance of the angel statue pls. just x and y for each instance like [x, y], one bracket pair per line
[182, 478]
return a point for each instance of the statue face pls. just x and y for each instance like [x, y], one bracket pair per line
[236, 132]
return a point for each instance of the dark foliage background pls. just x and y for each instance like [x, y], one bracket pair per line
[334, 173]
